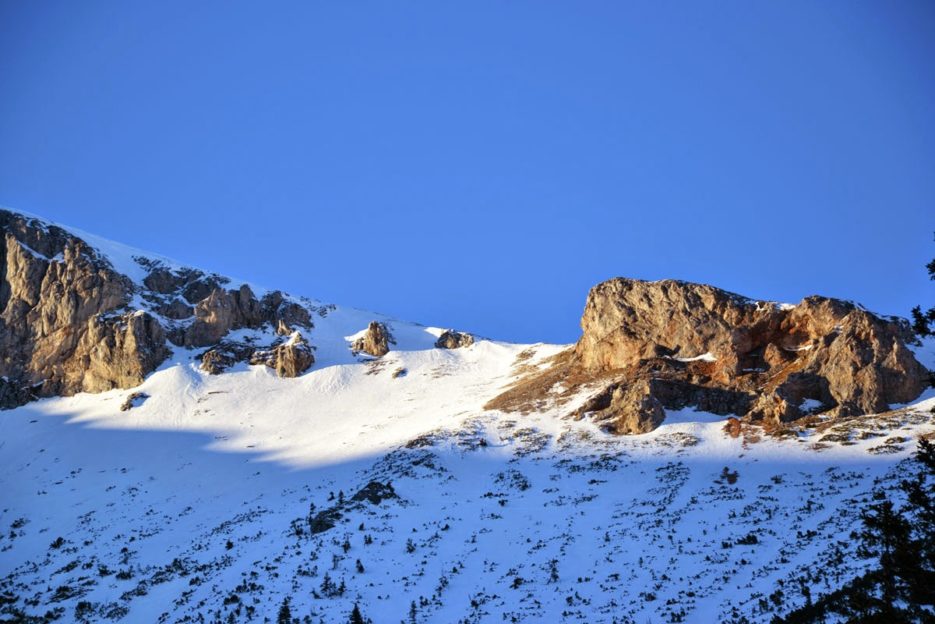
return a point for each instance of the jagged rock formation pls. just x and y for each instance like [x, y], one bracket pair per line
[64, 322]
[199, 311]
[69, 321]
[225, 354]
[670, 344]
[375, 341]
[451, 339]
[289, 359]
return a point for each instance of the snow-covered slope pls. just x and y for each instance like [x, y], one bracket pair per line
[384, 482]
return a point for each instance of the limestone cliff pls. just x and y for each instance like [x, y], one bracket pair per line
[662, 345]
[70, 322]
[64, 322]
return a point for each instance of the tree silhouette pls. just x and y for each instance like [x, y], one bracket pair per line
[285, 613]
[923, 322]
[900, 588]
[356, 616]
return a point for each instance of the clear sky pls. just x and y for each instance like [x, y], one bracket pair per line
[482, 164]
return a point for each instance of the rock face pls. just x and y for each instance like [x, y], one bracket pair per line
[376, 340]
[64, 322]
[451, 339]
[121, 350]
[670, 344]
[220, 310]
[69, 322]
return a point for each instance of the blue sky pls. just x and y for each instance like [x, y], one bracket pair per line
[481, 165]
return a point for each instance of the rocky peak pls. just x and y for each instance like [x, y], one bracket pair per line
[671, 344]
[375, 341]
[67, 324]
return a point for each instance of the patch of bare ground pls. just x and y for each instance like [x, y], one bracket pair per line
[551, 383]
[852, 430]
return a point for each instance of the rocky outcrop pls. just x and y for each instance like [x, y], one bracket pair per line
[283, 314]
[69, 321]
[219, 310]
[374, 493]
[64, 322]
[289, 359]
[451, 339]
[225, 354]
[134, 400]
[626, 407]
[375, 341]
[14, 393]
[675, 344]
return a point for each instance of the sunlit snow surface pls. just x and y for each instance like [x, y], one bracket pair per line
[193, 506]
[639, 527]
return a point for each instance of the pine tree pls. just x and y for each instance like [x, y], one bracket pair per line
[917, 563]
[923, 321]
[356, 617]
[327, 585]
[285, 613]
[900, 588]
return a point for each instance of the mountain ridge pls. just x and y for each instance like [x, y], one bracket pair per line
[385, 482]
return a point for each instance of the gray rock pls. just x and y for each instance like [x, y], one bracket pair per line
[451, 339]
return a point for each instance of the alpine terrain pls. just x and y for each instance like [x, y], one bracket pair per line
[180, 446]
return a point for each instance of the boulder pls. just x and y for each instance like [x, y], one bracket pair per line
[290, 358]
[625, 407]
[225, 354]
[134, 400]
[13, 394]
[375, 341]
[223, 310]
[451, 339]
